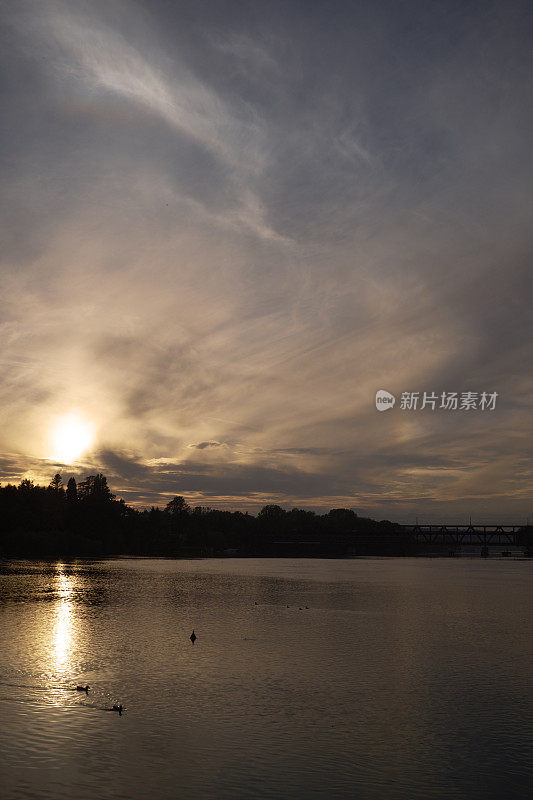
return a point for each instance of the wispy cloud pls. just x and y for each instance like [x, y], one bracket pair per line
[224, 234]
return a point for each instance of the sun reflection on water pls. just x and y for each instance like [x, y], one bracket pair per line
[64, 626]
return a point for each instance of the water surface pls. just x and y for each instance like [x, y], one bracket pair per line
[368, 679]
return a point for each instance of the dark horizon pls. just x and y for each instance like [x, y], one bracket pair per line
[85, 519]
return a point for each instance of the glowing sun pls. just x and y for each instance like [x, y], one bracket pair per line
[71, 435]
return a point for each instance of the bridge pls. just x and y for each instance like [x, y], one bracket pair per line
[454, 536]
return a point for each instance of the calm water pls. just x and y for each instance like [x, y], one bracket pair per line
[399, 678]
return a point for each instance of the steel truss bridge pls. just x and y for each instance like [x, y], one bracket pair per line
[453, 536]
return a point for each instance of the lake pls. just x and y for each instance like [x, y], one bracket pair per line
[366, 678]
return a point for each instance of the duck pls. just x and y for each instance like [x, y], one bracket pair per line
[83, 689]
[118, 708]
[192, 637]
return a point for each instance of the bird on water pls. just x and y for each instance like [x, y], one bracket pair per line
[118, 708]
[192, 637]
[83, 689]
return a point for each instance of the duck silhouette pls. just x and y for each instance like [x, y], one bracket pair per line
[118, 708]
[83, 689]
[192, 637]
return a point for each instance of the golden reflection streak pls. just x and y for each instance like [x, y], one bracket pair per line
[64, 627]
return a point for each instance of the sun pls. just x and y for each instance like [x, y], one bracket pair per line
[71, 435]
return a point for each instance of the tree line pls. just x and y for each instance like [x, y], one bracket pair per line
[86, 519]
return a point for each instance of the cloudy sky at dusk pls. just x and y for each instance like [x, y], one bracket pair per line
[226, 225]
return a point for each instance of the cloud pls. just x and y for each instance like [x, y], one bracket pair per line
[224, 233]
[98, 71]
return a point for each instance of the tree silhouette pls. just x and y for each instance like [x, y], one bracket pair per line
[87, 520]
[272, 512]
[72, 491]
[178, 507]
[57, 482]
[95, 488]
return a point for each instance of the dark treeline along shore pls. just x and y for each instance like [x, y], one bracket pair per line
[86, 519]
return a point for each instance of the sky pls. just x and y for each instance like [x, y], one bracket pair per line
[226, 225]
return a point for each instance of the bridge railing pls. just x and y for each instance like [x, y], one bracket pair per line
[456, 535]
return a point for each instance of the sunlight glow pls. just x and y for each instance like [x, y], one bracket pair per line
[71, 435]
